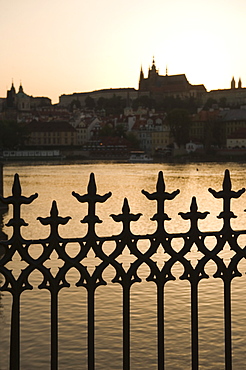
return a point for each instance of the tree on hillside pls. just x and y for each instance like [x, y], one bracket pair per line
[209, 103]
[133, 140]
[112, 106]
[115, 105]
[120, 130]
[101, 102]
[75, 104]
[107, 130]
[90, 102]
[179, 121]
[214, 134]
[169, 103]
[144, 101]
[110, 130]
[13, 135]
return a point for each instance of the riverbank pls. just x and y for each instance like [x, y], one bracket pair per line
[75, 157]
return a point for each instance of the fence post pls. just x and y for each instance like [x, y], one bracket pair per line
[1, 178]
[3, 207]
[125, 277]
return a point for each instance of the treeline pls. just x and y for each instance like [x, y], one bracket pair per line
[116, 104]
[12, 134]
[111, 106]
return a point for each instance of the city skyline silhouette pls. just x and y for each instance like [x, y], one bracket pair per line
[56, 48]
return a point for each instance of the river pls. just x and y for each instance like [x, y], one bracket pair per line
[125, 180]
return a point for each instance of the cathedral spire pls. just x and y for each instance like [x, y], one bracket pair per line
[141, 73]
[153, 64]
[21, 88]
[12, 87]
[233, 85]
[141, 77]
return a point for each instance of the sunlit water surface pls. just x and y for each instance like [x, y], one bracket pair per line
[125, 180]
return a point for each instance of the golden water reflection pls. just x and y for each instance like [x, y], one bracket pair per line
[126, 180]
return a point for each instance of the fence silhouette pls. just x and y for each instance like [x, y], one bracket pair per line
[91, 241]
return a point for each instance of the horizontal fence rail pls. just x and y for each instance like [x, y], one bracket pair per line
[91, 241]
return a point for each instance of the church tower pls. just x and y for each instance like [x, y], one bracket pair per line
[141, 77]
[11, 97]
[233, 84]
[153, 73]
[239, 84]
[23, 100]
[153, 65]
[21, 89]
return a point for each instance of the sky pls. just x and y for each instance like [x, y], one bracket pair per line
[56, 47]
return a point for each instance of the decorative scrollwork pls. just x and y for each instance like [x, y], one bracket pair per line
[160, 238]
[160, 244]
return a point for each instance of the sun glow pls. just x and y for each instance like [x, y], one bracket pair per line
[56, 48]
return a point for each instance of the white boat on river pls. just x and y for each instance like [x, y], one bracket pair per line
[140, 156]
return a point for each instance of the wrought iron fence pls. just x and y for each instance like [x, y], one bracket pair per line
[91, 241]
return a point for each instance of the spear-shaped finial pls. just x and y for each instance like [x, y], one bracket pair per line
[227, 194]
[194, 215]
[91, 198]
[16, 199]
[54, 220]
[126, 217]
[160, 196]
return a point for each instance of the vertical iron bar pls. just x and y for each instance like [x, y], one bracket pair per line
[194, 324]
[160, 326]
[126, 327]
[91, 329]
[15, 333]
[227, 324]
[54, 330]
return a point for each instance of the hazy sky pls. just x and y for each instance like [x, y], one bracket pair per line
[59, 47]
